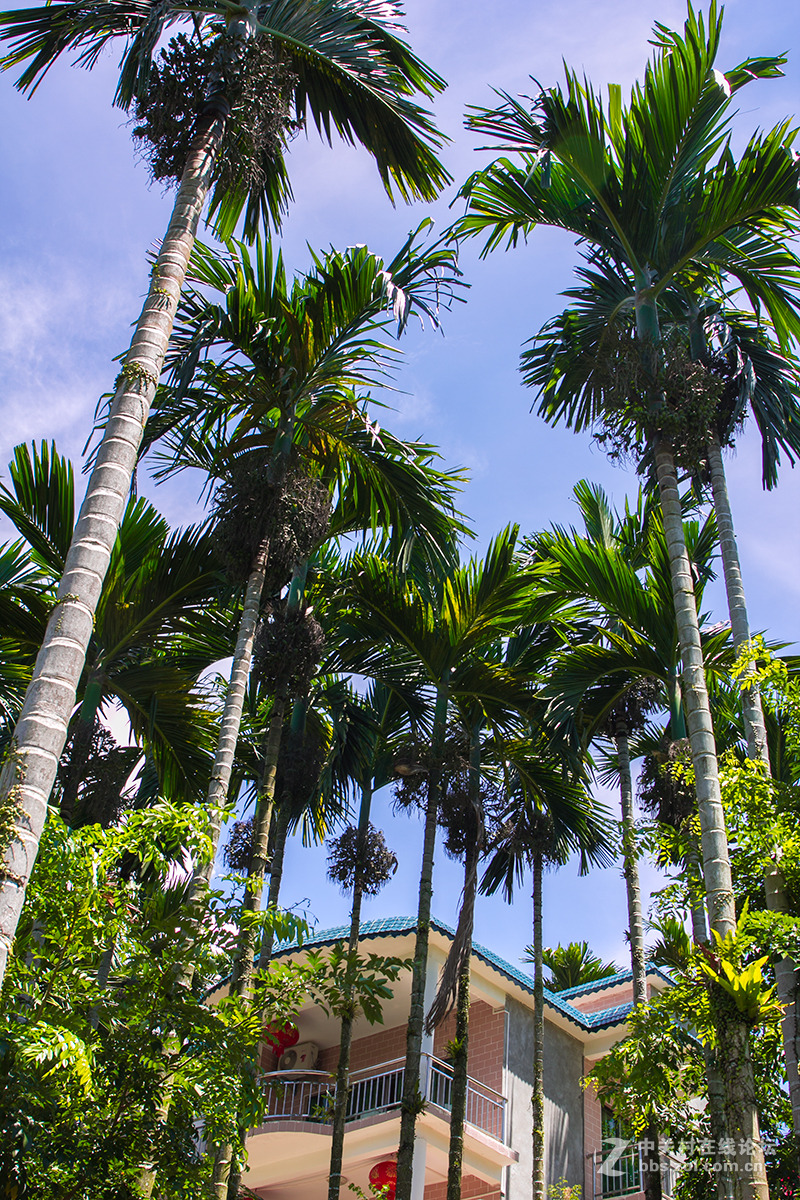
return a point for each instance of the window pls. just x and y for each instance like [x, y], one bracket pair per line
[620, 1172]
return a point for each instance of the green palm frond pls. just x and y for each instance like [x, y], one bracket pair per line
[351, 73]
[41, 502]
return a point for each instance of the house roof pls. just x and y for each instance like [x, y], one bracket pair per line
[401, 926]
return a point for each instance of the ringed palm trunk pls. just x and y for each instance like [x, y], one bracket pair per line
[279, 829]
[412, 1098]
[786, 975]
[537, 1098]
[460, 1056]
[244, 966]
[348, 1014]
[651, 1169]
[217, 794]
[716, 1090]
[750, 1182]
[28, 774]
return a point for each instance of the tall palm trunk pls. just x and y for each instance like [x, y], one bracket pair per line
[460, 1085]
[463, 938]
[786, 975]
[244, 967]
[282, 821]
[755, 729]
[751, 1179]
[716, 1090]
[411, 1077]
[346, 1035]
[651, 1168]
[28, 774]
[537, 1098]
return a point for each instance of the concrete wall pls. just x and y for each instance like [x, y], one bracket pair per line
[563, 1105]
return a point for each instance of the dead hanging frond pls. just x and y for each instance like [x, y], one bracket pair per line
[368, 870]
[461, 949]
[664, 789]
[288, 650]
[258, 86]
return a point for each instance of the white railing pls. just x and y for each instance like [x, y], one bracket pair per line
[309, 1095]
[299, 1096]
[486, 1109]
[375, 1089]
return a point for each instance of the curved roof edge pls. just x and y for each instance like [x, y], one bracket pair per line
[398, 926]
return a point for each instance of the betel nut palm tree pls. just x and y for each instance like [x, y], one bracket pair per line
[548, 815]
[735, 365]
[654, 188]
[262, 403]
[629, 662]
[341, 62]
[139, 655]
[442, 628]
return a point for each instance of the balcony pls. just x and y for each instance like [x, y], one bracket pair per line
[622, 1175]
[308, 1096]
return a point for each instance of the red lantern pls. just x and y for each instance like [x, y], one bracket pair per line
[281, 1037]
[384, 1175]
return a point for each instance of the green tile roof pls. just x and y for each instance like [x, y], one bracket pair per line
[398, 926]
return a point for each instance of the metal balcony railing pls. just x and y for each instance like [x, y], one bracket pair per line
[621, 1175]
[309, 1095]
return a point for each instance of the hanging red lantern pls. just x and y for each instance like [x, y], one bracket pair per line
[281, 1036]
[384, 1175]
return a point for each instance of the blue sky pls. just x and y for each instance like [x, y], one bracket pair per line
[77, 218]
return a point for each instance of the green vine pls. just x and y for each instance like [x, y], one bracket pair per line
[136, 375]
[10, 802]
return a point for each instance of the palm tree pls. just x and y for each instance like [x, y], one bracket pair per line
[572, 965]
[655, 191]
[262, 403]
[345, 65]
[548, 816]
[735, 365]
[646, 187]
[629, 663]
[149, 611]
[359, 861]
[444, 629]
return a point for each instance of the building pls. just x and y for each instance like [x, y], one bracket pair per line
[289, 1154]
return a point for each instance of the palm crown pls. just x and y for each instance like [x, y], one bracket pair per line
[344, 66]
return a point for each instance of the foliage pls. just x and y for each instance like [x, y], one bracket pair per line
[571, 965]
[564, 1191]
[92, 1012]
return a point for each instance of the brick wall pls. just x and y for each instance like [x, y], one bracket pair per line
[592, 1128]
[471, 1189]
[381, 1047]
[609, 999]
[486, 1043]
